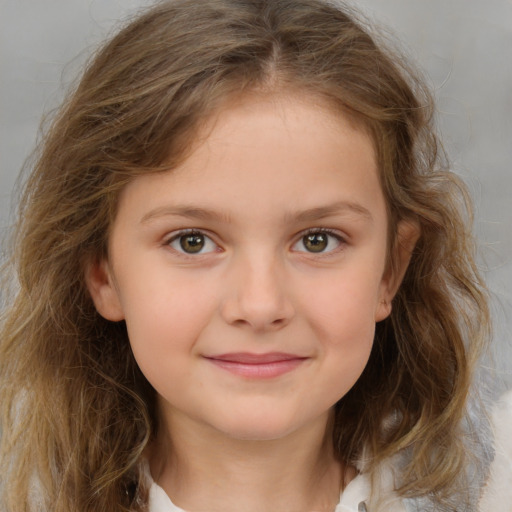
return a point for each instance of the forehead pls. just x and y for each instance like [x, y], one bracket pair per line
[295, 126]
[266, 151]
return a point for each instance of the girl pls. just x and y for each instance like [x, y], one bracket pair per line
[244, 278]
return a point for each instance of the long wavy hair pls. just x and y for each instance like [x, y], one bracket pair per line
[76, 412]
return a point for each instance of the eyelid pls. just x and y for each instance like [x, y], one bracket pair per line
[175, 235]
[338, 235]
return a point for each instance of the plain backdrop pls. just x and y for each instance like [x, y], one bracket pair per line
[463, 46]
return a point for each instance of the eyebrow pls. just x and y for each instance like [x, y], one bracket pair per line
[309, 215]
[322, 212]
[191, 212]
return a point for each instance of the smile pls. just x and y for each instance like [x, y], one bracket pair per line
[257, 366]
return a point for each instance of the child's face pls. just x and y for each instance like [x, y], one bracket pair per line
[251, 276]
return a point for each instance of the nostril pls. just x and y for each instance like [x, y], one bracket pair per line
[257, 300]
[259, 324]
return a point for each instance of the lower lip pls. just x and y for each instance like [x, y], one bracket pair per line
[258, 370]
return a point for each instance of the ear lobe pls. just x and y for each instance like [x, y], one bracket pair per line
[408, 232]
[103, 291]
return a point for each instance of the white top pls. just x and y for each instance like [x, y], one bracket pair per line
[497, 495]
[353, 499]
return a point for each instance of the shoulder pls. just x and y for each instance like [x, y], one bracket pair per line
[497, 492]
[158, 500]
[375, 493]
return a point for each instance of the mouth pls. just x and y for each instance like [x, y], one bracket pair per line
[257, 366]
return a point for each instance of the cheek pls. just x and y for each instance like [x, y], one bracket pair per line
[164, 319]
[347, 336]
[343, 320]
[343, 306]
[346, 348]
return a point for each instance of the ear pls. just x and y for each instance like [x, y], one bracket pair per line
[408, 232]
[102, 288]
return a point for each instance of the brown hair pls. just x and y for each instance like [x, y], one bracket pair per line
[76, 410]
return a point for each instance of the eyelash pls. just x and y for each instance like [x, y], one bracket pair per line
[341, 240]
[176, 236]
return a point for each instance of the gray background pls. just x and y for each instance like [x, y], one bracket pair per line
[464, 46]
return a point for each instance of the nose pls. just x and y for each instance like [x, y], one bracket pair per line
[257, 296]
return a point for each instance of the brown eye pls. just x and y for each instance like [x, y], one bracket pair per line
[316, 242]
[192, 243]
[319, 241]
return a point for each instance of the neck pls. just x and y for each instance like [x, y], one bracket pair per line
[203, 469]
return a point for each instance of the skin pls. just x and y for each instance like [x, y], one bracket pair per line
[265, 171]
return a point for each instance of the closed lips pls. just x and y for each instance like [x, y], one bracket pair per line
[257, 366]
[249, 358]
